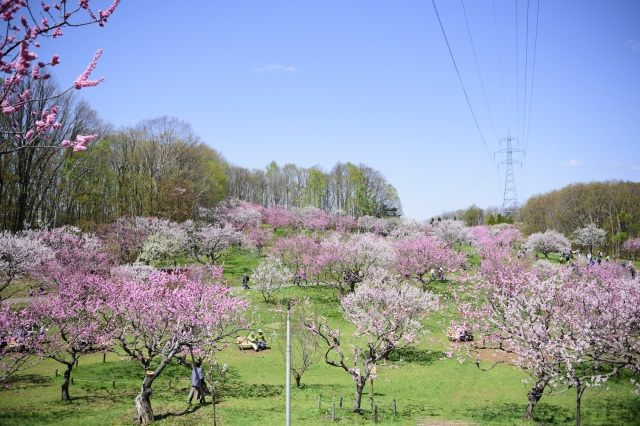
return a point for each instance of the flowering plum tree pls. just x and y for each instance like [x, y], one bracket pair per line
[347, 259]
[259, 237]
[503, 235]
[277, 217]
[385, 317]
[301, 253]
[19, 254]
[632, 245]
[157, 318]
[342, 222]
[550, 241]
[451, 232]
[311, 218]
[240, 214]
[26, 25]
[561, 325]
[589, 237]
[214, 240]
[416, 257]
[168, 244]
[70, 321]
[17, 341]
[270, 276]
[125, 236]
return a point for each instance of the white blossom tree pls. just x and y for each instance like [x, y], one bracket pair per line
[589, 237]
[19, 253]
[550, 241]
[270, 276]
[385, 316]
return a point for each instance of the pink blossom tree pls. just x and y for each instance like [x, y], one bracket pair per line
[74, 251]
[418, 257]
[125, 237]
[301, 253]
[18, 342]
[27, 24]
[70, 321]
[346, 259]
[561, 325]
[385, 317]
[155, 319]
[311, 218]
[277, 217]
[632, 245]
[259, 237]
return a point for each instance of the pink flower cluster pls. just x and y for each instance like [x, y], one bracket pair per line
[17, 54]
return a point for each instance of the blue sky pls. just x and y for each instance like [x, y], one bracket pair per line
[320, 82]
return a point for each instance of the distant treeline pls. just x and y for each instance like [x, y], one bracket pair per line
[160, 168]
[613, 206]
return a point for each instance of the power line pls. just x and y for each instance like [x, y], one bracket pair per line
[486, 101]
[504, 95]
[462, 84]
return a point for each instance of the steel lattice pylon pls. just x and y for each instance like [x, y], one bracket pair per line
[510, 200]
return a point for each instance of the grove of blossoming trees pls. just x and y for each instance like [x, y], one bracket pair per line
[567, 328]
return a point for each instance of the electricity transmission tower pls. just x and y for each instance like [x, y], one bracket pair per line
[510, 200]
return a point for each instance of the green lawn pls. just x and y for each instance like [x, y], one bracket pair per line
[423, 386]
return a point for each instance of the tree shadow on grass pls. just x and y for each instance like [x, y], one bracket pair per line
[544, 414]
[617, 411]
[417, 356]
[233, 387]
[27, 380]
[609, 411]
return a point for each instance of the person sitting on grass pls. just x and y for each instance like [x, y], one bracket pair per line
[253, 340]
[262, 342]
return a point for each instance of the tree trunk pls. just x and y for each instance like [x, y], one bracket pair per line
[579, 391]
[534, 396]
[297, 378]
[144, 412]
[65, 383]
[359, 387]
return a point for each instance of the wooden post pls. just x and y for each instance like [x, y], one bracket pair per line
[395, 411]
[333, 411]
[113, 384]
[318, 402]
[104, 357]
[56, 372]
[375, 414]
[340, 402]
[371, 401]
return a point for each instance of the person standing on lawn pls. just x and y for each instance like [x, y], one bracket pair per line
[197, 384]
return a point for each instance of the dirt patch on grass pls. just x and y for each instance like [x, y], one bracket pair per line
[492, 355]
